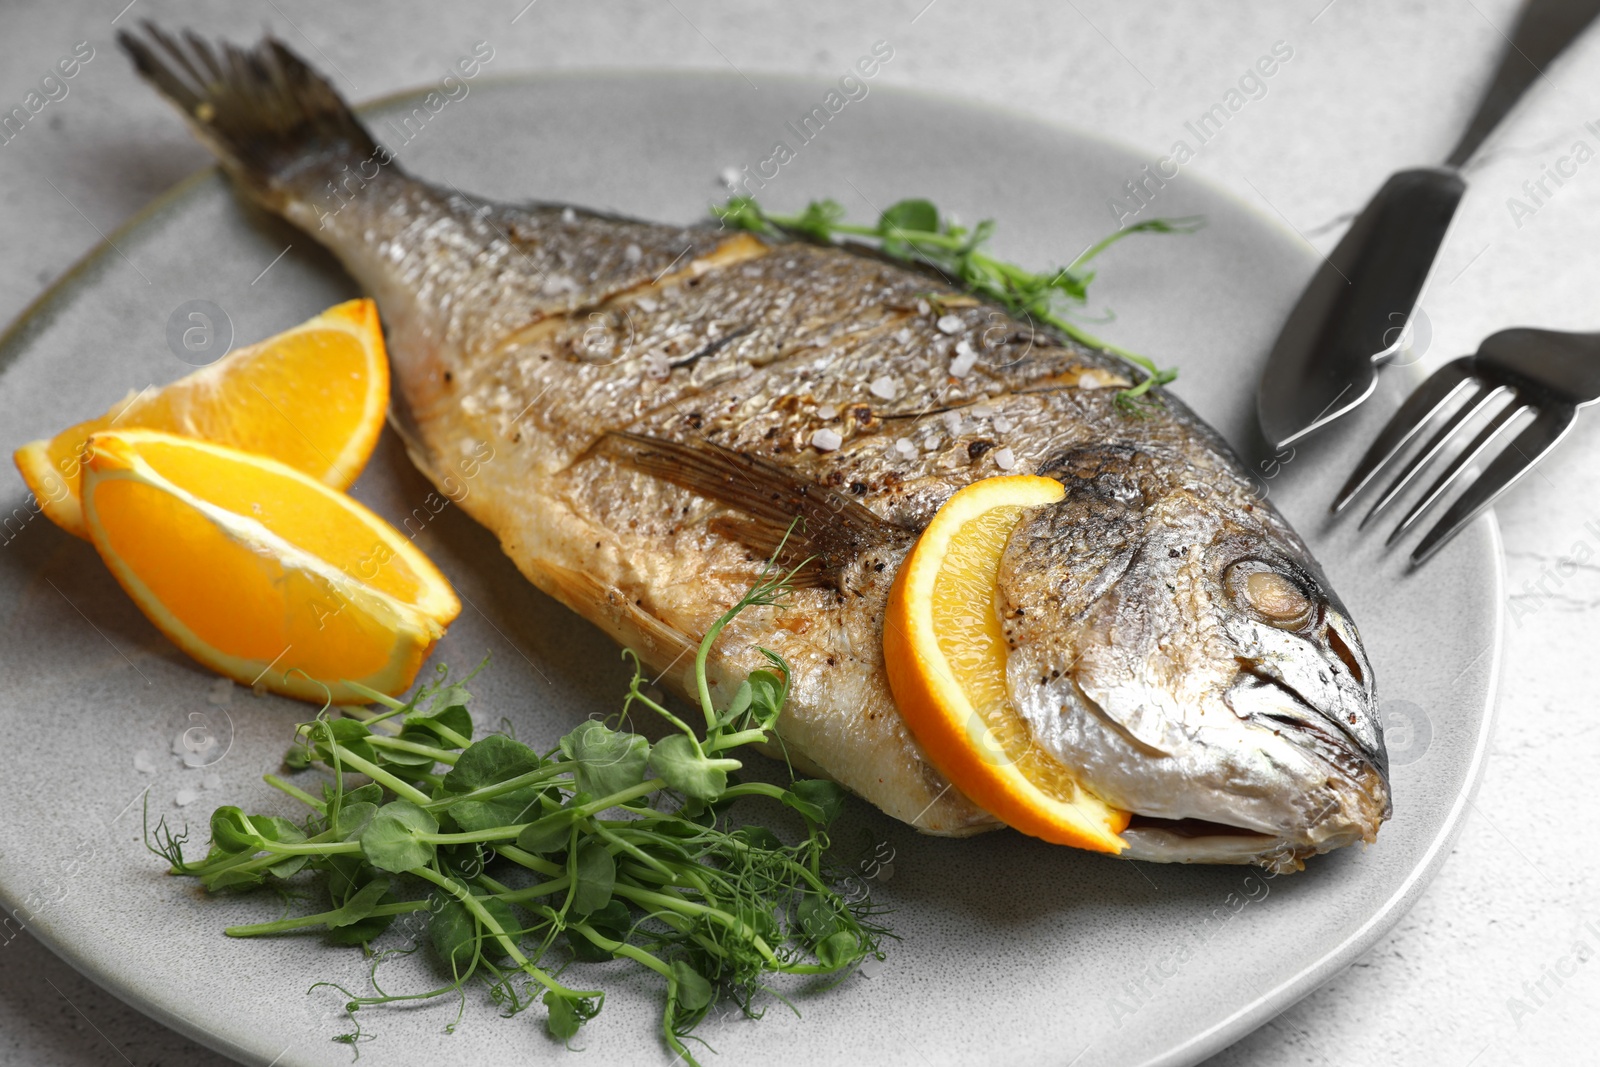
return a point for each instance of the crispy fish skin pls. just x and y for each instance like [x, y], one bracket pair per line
[638, 406]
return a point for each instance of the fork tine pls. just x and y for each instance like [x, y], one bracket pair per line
[1540, 436]
[1419, 407]
[1486, 436]
[1435, 444]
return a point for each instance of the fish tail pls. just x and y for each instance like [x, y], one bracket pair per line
[277, 126]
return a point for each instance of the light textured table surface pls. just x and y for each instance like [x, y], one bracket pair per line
[1496, 964]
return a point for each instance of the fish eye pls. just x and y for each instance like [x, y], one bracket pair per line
[1275, 597]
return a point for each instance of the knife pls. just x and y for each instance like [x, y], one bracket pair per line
[1354, 313]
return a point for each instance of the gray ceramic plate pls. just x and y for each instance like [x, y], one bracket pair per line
[1012, 950]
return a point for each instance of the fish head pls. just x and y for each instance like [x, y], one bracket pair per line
[1173, 643]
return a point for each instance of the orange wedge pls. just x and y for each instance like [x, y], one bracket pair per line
[946, 659]
[258, 571]
[313, 397]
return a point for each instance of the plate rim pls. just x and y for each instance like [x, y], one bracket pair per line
[41, 310]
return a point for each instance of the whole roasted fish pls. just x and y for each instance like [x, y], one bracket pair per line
[643, 410]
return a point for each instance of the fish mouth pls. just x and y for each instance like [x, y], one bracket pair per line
[1329, 732]
[1159, 840]
[1340, 799]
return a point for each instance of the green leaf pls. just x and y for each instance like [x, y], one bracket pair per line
[743, 213]
[817, 220]
[818, 800]
[349, 734]
[914, 215]
[390, 841]
[453, 933]
[233, 831]
[759, 837]
[456, 934]
[563, 1021]
[608, 761]
[594, 878]
[361, 903]
[549, 834]
[694, 992]
[738, 705]
[494, 759]
[688, 771]
[447, 707]
[508, 809]
[362, 931]
[819, 919]
[838, 950]
[409, 761]
[768, 692]
[354, 819]
[275, 828]
[371, 793]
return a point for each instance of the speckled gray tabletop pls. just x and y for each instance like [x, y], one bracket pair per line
[1493, 966]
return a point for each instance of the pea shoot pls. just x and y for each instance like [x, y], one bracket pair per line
[522, 863]
[914, 231]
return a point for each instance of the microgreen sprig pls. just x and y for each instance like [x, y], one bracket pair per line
[914, 231]
[517, 863]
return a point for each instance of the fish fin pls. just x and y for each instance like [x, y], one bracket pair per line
[832, 529]
[262, 110]
[770, 542]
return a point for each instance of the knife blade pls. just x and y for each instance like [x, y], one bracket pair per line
[1355, 310]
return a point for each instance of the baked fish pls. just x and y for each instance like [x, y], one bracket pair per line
[643, 410]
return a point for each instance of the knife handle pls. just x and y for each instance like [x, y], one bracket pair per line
[1322, 364]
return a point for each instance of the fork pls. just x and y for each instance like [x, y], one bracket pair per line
[1548, 373]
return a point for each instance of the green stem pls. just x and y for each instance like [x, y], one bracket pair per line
[308, 848]
[504, 940]
[488, 792]
[534, 863]
[744, 737]
[376, 697]
[303, 922]
[622, 948]
[402, 745]
[378, 774]
[472, 837]
[674, 902]
[299, 794]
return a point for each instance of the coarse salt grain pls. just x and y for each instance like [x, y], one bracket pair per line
[952, 423]
[903, 335]
[962, 365]
[568, 215]
[924, 308]
[1002, 424]
[905, 447]
[827, 411]
[1004, 458]
[884, 388]
[143, 763]
[950, 324]
[633, 253]
[730, 176]
[826, 440]
[185, 797]
[979, 411]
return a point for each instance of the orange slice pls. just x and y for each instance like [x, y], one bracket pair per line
[259, 572]
[946, 659]
[313, 397]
